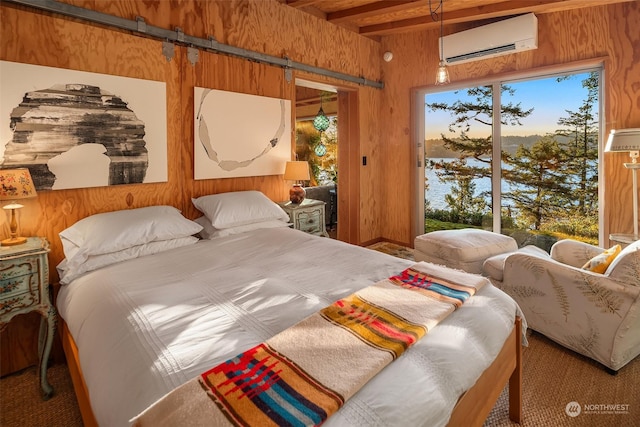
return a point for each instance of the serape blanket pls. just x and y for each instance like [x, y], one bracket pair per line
[304, 374]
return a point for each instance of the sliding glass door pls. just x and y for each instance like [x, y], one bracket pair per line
[530, 171]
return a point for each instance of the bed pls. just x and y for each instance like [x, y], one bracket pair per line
[137, 328]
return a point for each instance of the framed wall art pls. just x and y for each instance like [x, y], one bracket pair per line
[238, 135]
[76, 129]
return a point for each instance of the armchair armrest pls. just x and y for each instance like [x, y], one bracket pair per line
[544, 272]
[574, 252]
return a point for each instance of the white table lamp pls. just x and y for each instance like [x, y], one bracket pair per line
[628, 140]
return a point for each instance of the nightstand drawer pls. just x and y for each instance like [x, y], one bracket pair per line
[19, 300]
[309, 222]
[18, 285]
[10, 269]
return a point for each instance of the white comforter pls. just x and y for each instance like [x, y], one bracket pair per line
[147, 325]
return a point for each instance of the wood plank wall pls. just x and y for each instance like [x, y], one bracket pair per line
[608, 32]
[34, 37]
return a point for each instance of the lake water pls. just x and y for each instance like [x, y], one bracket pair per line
[437, 189]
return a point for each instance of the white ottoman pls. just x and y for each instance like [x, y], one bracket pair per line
[465, 249]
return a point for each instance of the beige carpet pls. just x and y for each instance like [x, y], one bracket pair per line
[554, 377]
[393, 249]
[21, 404]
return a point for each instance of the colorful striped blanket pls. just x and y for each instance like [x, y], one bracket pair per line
[304, 374]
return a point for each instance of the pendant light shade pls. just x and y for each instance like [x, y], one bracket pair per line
[442, 75]
[321, 121]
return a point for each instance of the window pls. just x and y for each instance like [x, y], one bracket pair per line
[535, 163]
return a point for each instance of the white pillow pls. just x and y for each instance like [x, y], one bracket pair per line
[69, 271]
[226, 210]
[114, 231]
[210, 232]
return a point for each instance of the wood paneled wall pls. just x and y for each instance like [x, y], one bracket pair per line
[266, 26]
[38, 38]
[608, 32]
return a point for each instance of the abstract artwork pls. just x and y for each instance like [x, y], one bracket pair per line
[75, 129]
[239, 135]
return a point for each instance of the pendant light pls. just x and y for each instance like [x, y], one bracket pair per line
[321, 121]
[442, 75]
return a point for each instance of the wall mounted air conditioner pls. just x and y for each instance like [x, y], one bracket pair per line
[499, 38]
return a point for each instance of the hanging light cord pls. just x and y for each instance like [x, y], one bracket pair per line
[434, 12]
[437, 14]
[441, 31]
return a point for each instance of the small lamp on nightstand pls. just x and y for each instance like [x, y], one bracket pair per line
[297, 171]
[628, 140]
[15, 184]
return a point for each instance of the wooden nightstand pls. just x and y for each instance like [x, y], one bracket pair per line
[307, 216]
[24, 287]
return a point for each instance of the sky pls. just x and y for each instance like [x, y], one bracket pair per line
[548, 97]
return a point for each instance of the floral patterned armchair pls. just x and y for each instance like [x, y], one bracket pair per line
[594, 314]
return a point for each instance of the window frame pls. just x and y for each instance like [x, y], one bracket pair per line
[419, 103]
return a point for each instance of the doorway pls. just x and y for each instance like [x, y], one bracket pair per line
[316, 142]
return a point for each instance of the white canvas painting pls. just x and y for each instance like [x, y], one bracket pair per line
[75, 129]
[239, 135]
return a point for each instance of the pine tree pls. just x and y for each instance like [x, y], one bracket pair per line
[465, 114]
[542, 190]
[581, 130]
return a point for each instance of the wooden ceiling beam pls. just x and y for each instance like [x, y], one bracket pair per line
[495, 10]
[301, 3]
[401, 16]
[372, 10]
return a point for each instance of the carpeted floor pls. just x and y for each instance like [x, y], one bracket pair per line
[553, 377]
[21, 404]
[393, 249]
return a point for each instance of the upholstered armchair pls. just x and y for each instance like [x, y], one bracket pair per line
[594, 314]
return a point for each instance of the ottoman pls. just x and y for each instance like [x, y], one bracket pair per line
[465, 249]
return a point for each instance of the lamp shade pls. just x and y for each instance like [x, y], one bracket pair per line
[624, 140]
[16, 184]
[297, 171]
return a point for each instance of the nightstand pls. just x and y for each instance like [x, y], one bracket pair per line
[307, 216]
[24, 287]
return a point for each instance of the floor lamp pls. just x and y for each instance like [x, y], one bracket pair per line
[628, 140]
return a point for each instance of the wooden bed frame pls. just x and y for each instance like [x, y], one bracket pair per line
[472, 408]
